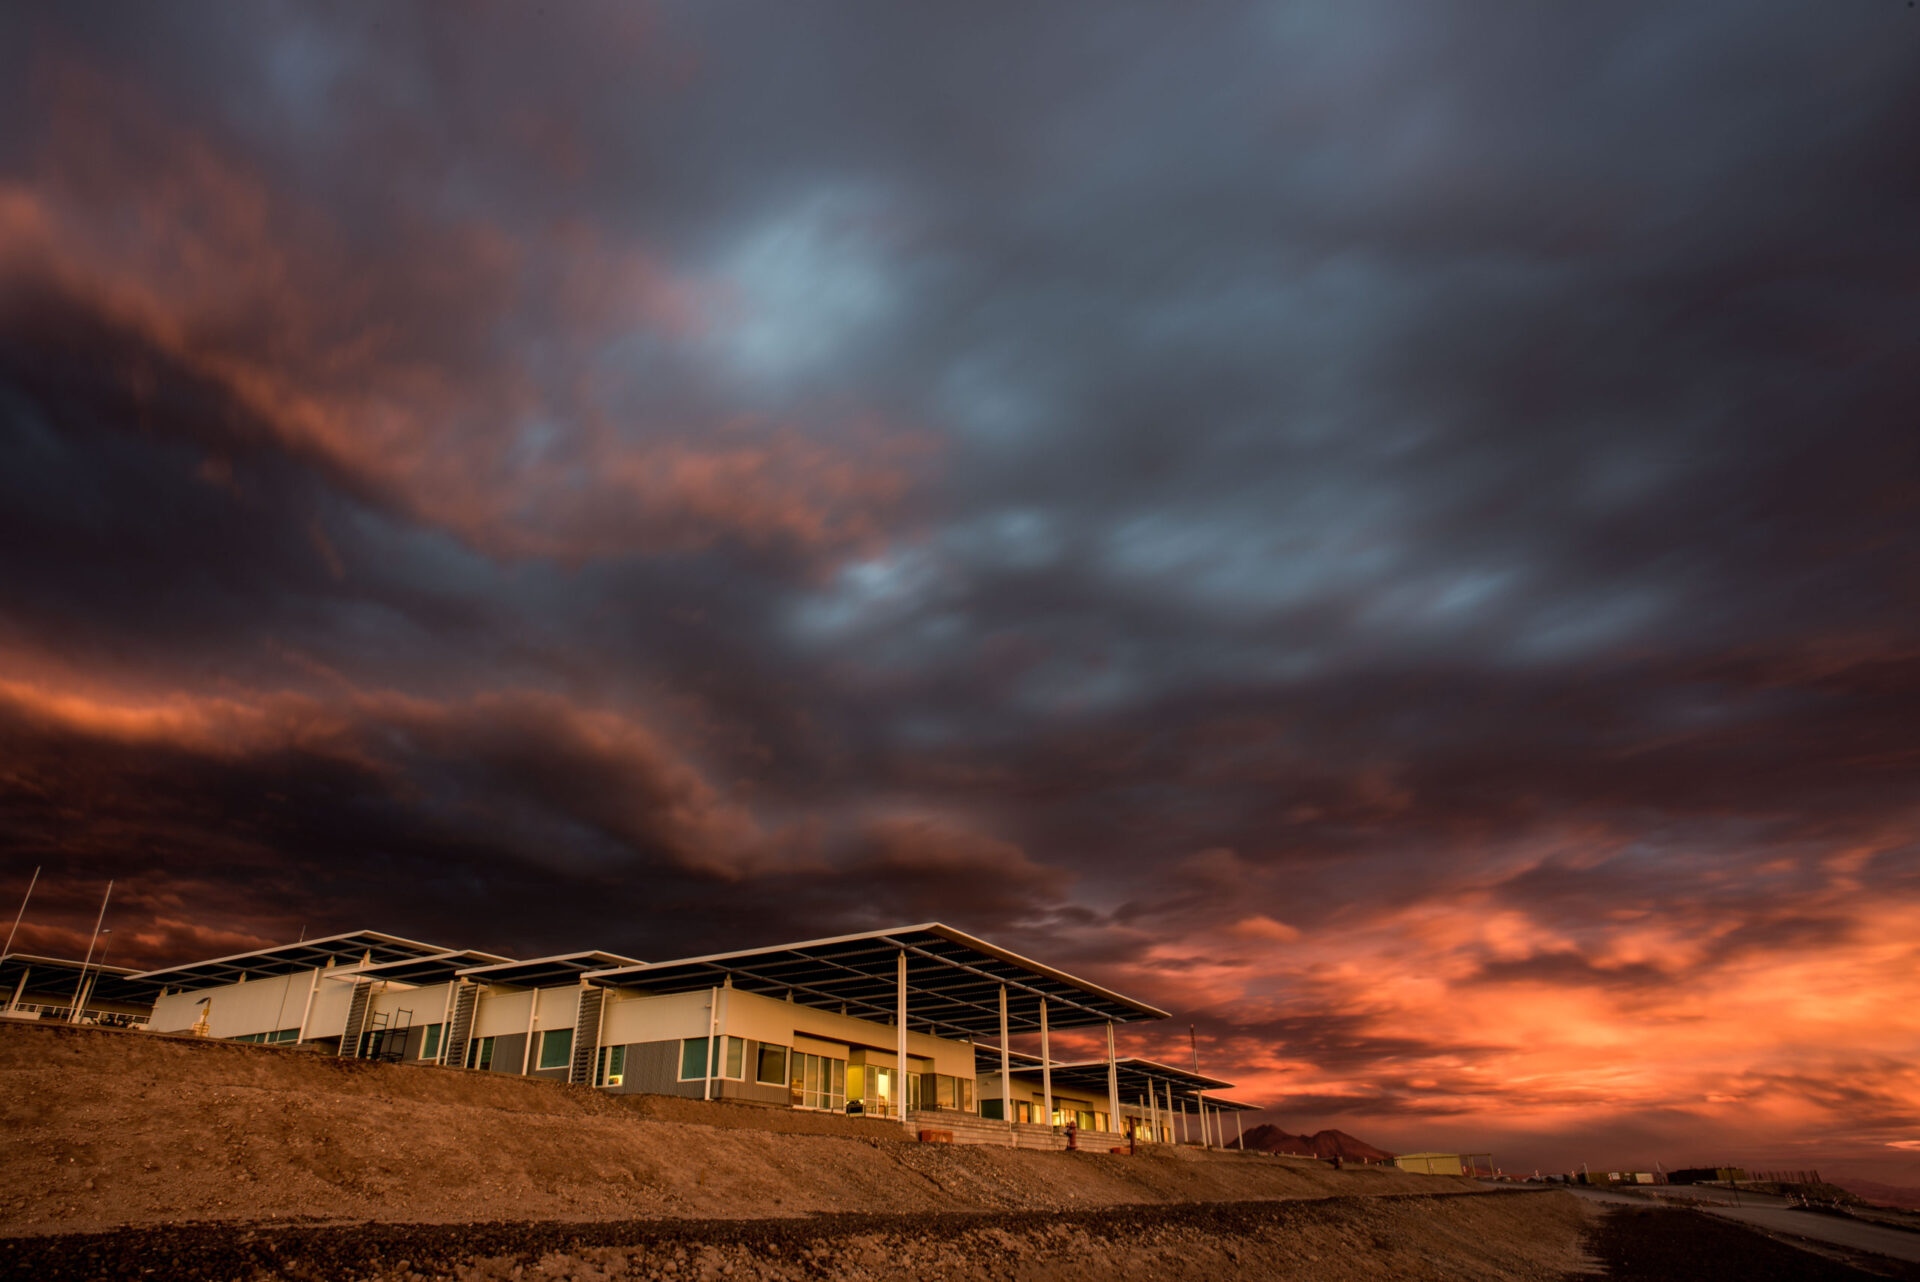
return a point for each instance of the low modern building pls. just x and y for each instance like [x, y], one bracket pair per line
[1445, 1163]
[38, 987]
[886, 1023]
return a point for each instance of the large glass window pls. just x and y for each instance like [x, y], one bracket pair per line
[693, 1059]
[429, 1041]
[816, 1081]
[556, 1048]
[955, 1092]
[772, 1070]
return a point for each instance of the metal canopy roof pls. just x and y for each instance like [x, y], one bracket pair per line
[285, 959]
[543, 972]
[986, 1059]
[52, 981]
[421, 970]
[953, 981]
[1136, 1075]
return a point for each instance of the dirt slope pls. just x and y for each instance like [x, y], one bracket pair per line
[100, 1128]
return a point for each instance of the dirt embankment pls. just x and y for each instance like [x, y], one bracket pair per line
[122, 1153]
[100, 1129]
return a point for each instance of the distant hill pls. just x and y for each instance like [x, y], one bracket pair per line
[1321, 1144]
[1905, 1198]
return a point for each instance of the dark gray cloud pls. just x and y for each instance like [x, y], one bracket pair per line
[1146, 488]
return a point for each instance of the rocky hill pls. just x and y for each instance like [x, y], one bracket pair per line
[1325, 1145]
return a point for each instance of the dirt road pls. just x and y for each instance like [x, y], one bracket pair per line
[1867, 1250]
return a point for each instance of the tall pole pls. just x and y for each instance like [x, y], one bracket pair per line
[1046, 1065]
[900, 1018]
[23, 910]
[1006, 1067]
[1113, 1084]
[713, 1035]
[77, 988]
[1199, 1096]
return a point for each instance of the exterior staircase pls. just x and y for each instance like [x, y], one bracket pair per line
[586, 1035]
[356, 1021]
[466, 999]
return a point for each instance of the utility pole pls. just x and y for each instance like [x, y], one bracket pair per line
[1199, 1096]
[23, 909]
[79, 988]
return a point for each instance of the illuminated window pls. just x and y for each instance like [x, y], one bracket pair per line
[612, 1069]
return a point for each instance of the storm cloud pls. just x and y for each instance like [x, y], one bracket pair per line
[1388, 531]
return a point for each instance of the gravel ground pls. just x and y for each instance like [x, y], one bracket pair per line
[1492, 1237]
[101, 1130]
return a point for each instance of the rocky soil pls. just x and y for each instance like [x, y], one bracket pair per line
[1501, 1237]
[100, 1129]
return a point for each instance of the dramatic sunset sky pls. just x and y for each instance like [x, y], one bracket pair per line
[1391, 530]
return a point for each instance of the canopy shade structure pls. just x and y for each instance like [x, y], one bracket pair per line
[546, 972]
[1232, 1105]
[986, 1059]
[1135, 1076]
[422, 970]
[285, 959]
[54, 980]
[953, 981]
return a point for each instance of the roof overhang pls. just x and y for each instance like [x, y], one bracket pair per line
[420, 971]
[1136, 1077]
[287, 959]
[954, 981]
[55, 979]
[546, 972]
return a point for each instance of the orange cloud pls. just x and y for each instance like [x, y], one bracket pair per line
[407, 368]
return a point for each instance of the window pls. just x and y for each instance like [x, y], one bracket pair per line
[955, 1092]
[1023, 1111]
[430, 1041]
[613, 1066]
[772, 1070]
[817, 1082]
[556, 1048]
[990, 1108]
[693, 1060]
[480, 1053]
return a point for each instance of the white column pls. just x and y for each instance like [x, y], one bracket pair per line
[1153, 1110]
[900, 1020]
[599, 1038]
[1239, 1132]
[713, 1036]
[1113, 1084]
[19, 989]
[533, 1011]
[1006, 1067]
[1046, 1065]
[306, 1012]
